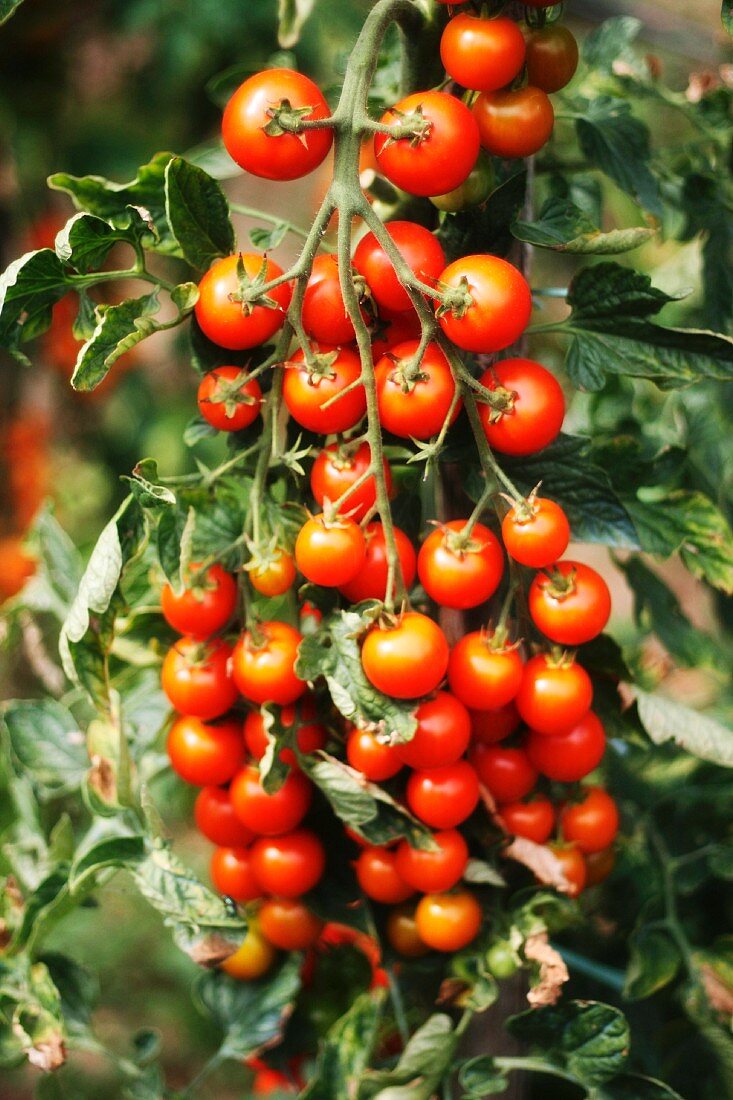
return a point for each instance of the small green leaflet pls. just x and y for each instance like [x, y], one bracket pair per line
[198, 213]
[564, 227]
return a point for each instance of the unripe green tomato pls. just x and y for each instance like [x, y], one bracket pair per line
[472, 192]
[501, 960]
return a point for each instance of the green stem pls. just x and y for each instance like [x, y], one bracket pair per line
[536, 1065]
[669, 895]
[492, 470]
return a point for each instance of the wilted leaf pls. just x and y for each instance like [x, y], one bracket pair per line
[553, 973]
[564, 227]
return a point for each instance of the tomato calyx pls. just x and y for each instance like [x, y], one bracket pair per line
[410, 125]
[523, 509]
[264, 555]
[497, 640]
[462, 542]
[230, 393]
[318, 364]
[286, 119]
[249, 293]
[407, 372]
[559, 585]
[558, 657]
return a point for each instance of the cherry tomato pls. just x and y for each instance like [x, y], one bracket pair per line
[482, 673]
[371, 581]
[514, 122]
[231, 873]
[573, 867]
[337, 468]
[507, 773]
[554, 694]
[534, 820]
[306, 390]
[232, 323]
[263, 664]
[375, 760]
[16, 566]
[248, 125]
[571, 603]
[270, 814]
[195, 677]
[378, 877]
[536, 532]
[268, 1081]
[330, 552]
[568, 757]
[437, 871]
[309, 737]
[421, 251]
[599, 866]
[415, 399]
[324, 314]
[402, 933]
[552, 57]
[535, 415]
[203, 754]
[457, 570]
[215, 817]
[443, 797]
[406, 660]
[474, 190]
[448, 922]
[288, 924]
[501, 960]
[290, 865]
[274, 575]
[591, 824]
[482, 54]
[437, 159]
[489, 726]
[228, 399]
[493, 303]
[205, 607]
[252, 959]
[389, 330]
[442, 734]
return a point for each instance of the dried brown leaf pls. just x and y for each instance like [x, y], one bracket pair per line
[553, 971]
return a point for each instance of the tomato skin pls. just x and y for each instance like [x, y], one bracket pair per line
[573, 617]
[508, 773]
[263, 665]
[270, 814]
[268, 1081]
[310, 736]
[16, 566]
[448, 922]
[214, 815]
[569, 757]
[232, 875]
[573, 866]
[195, 677]
[252, 959]
[402, 933]
[416, 407]
[443, 797]
[501, 960]
[375, 760]
[421, 250]
[276, 576]
[304, 393]
[202, 610]
[482, 54]
[371, 581]
[218, 383]
[440, 161]
[534, 820]
[324, 314]
[288, 924]
[407, 660]
[536, 535]
[289, 866]
[330, 553]
[482, 677]
[442, 734]
[501, 304]
[552, 57]
[285, 156]
[335, 470]
[474, 190]
[378, 877]
[537, 413]
[391, 329]
[433, 872]
[553, 696]
[599, 866]
[514, 122]
[460, 576]
[490, 726]
[592, 824]
[203, 754]
[223, 320]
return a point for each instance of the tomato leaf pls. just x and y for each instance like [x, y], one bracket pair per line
[29, 288]
[198, 213]
[726, 14]
[118, 328]
[665, 720]
[690, 524]
[146, 488]
[31, 1004]
[617, 143]
[482, 1077]
[59, 569]
[86, 240]
[8, 8]
[485, 228]
[346, 1050]
[587, 1039]
[48, 744]
[612, 41]
[564, 227]
[267, 239]
[653, 963]
[421, 1067]
[114, 851]
[292, 14]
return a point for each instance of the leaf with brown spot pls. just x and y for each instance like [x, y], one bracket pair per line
[212, 950]
[540, 860]
[553, 971]
[49, 1054]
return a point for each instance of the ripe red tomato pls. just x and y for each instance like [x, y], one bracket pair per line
[571, 604]
[274, 575]
[599, 866]
[306, 390]
[482, 54]
[507, 773]
[573, 866]
[443, 797]
[263, 664]
[536, 413]
[448, 922]
[406, 660]
[442, 734]
[568, 757]
[534, 820]
[378, 877]
[203, 754]
[554, 694]
[591, 824]
[270, 814]
[402, 933]
[552, 57]
[268, 1081]
[514, 122]
[374, 759]
[433, 872]
[215, 817]
[228, 399]
[288, 924]
[324, 314]
[231, 872]
[389, 330]
[330, 552]
[474, 190]
[252, 959]
[249, 115]
[290, 865]
[195, 677]
[205, 607]
[309, 737]
[16, 566]
[490, 726]
[536, 532]
[371, 581]
[459, 571]
[484, 675]
[495, 308]
[337, 468]
[420, 249]
[233, 324]
[414, 401]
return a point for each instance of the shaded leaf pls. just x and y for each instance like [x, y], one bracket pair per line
[422, 1065]
[585, 1038]
[653, 963]
[8, 8]
[564, 227]
[29, 288]
[198, 213]
[617, 143]
[665, 720]
[612, 41]
[346, 1050]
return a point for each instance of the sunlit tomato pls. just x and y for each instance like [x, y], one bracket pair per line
[514, 122]
[448, 922]
[371, 757]
[229, 399]
[195, 677]
[482, 54]
[231, 873]
[415, 398]
[402, 933]
[474, 190]
[536, 532]
[568, 757]
[443, 797]
[268, 1081]
[389, 330]
[442, 734]
[436, 871]
[484, 673]
[573, 866]
[570, 603]
[554, 694]
[378, 877]
[337, 468]
[16, 566]
[534, 820]
[490, 726]
[251, 134]
[274, 575]
[307, 389]
[406, 660]
[288, 924]
[263, 664]
[310, 736]
[536, 410]
[205, 607]
[370, 583]
[215, 817]
[507, 773]
[225, 318]
[437, 158]
[270, 814]
[421, 251]
[203, 754]
[492, 303]
[324, 314]
[252, 959]
[459, 570]
[290, 865]
[592, 823]
[599, 866]
[330, 552]
[552, 57]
